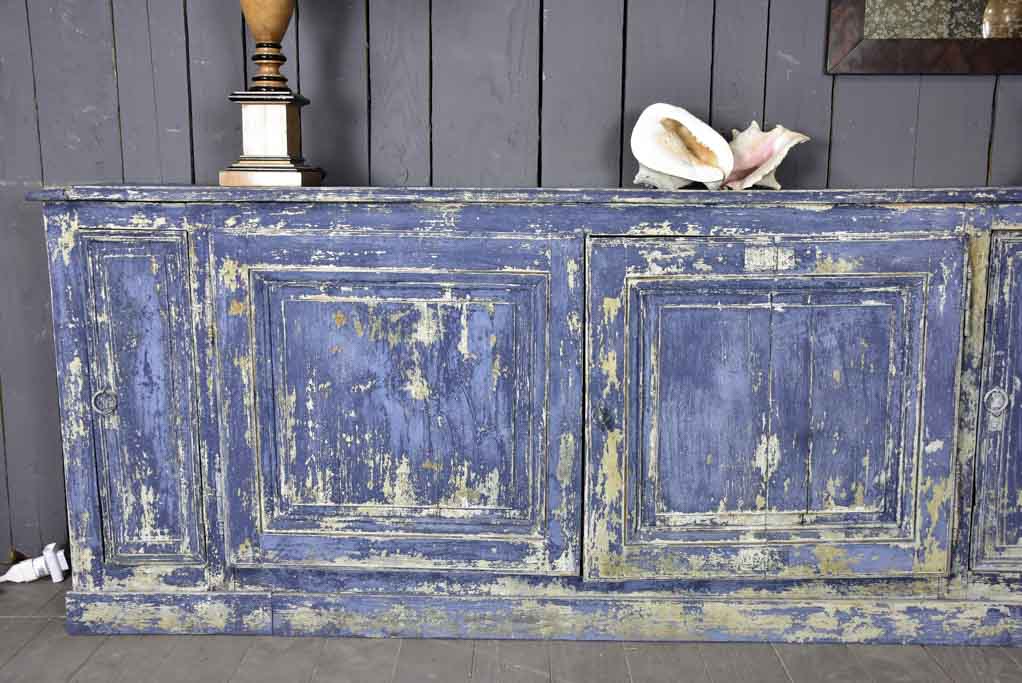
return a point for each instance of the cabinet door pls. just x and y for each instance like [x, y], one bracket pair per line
[142, 397]
[400, 401]
[997, 525]
[771, 409]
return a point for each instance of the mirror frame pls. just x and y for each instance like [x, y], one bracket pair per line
[850, 52]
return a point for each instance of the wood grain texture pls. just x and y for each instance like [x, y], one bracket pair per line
[581, 126]
[798, 93]
[486, 85]
[739, 63]
[873, 145]
[76, 91]
[152, 87]
[399, 52]
[216, 69]
[333, 57]
[1006, 139]
[661, 67]
[953, 131]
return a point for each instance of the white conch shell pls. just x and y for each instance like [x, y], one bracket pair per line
[758, 154]
[669, 141]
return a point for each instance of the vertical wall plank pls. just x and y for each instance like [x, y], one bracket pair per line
[668, 58]
[76, 91]
[35, 470]
[6, 541]
[79, 139]
[1006, 140]
[874, 131]
[798, 91]
[581, 116]
[19, 134]
[739, 64]
[399, 53]
[152, 88]
[19, 171]
[954, 130]
[486, 92]
[333, 61]
[216, 70]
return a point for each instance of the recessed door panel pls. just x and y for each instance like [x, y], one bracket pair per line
[140, 345]
[997, 527]
[770, 409]
[401, 403]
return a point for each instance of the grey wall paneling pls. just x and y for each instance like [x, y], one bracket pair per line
[874, 131]
[216, 68]
[486, 92]
[78, 136]
[581, 114]
[333, 59]
[19, 172]
[660, 66]
[35, 472]
[798, 92]
[152, 87]
[76, 91]
[399, 51]
[1006, 139]
[739, 64]
[953, 130]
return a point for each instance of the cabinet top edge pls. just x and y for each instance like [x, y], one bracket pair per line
[385, 195]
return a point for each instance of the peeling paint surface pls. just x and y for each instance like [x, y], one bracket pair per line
[361, 412]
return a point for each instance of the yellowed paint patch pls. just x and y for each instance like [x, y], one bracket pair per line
[611, 307]
[237, 307]
[231, 274]
[828, 265]
[416, 386]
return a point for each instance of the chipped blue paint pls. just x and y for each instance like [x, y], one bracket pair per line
[360, 412]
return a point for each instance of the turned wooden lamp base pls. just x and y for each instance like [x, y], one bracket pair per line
[271, 142]
[271, 115]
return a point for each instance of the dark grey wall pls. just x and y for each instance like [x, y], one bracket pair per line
[420, 92]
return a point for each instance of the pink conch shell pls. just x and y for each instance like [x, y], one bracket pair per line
[758, 154]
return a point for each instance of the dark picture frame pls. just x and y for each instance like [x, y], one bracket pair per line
[850, 52]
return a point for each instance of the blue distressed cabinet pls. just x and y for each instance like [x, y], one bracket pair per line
[530, 414]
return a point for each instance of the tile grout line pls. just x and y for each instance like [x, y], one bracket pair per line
[773, 648]
[23, 646]
[81, 666]
[397, 658]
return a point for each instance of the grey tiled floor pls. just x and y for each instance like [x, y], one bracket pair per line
[34, 647]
